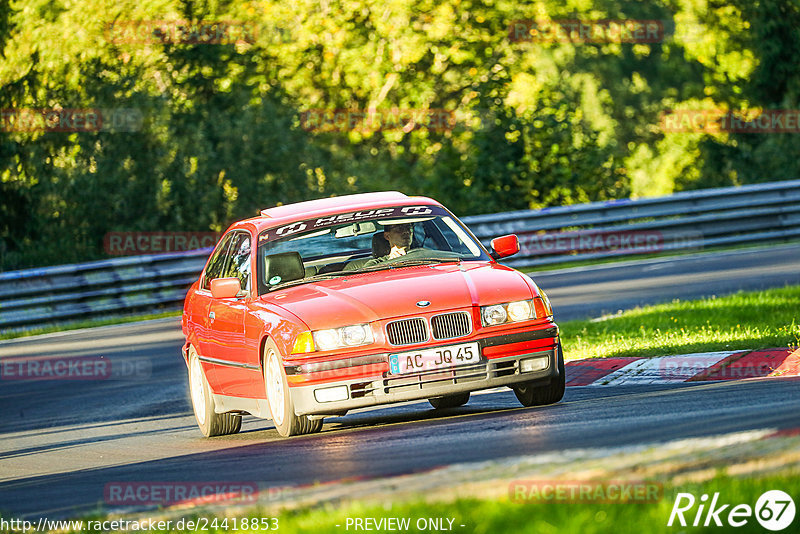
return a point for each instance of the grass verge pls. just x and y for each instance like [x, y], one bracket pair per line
[745, 320]
[520, 512]
[490, 516]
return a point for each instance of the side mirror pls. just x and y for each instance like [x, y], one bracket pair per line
[225, 288]
[505, 246]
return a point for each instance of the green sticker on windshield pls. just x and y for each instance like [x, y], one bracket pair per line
[275, 280]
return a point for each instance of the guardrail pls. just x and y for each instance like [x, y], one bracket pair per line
[108, 288]
[681, 222]
[685, 221]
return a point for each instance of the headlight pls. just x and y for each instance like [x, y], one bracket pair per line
[327, 339]
[512, 312]
[334, 338]
[492, 315]
[519, 311]
[353, 336]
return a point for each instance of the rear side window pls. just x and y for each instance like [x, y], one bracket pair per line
[217, 261]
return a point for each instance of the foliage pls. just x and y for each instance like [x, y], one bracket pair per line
[215, 131]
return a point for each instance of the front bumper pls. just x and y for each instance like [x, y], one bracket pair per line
[386, 389]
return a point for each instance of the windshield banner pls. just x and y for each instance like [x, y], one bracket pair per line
[328, 221]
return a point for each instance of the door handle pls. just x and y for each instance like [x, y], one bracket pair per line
[211, 316]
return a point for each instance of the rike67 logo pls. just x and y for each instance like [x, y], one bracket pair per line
[774, 510]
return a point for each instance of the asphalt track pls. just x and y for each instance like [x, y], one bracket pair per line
[63, 441]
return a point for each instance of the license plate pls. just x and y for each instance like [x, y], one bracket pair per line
[437, 358]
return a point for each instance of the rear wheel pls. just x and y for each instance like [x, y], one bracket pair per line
[281, 408]
[210, 423]
[530, 395]
[449, 401]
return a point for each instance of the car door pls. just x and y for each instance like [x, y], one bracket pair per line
[201, 302]
[228, 345]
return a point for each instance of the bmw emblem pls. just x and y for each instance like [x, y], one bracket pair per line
[423, 303]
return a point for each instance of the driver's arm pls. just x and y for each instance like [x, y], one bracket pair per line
[396, 252]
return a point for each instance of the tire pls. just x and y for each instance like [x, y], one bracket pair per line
[449, 401]
[281, 408]
[529, 395]
[210, 422]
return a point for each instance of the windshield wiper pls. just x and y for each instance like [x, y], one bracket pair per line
[421, 261]
[405, 263]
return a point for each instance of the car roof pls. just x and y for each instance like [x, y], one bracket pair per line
[312, 207]
[299, 211]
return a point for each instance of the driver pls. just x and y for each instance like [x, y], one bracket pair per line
[399, 238]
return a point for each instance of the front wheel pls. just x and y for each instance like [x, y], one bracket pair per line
[210, 422]
[450, 401]
[530, 395]
[287, 423]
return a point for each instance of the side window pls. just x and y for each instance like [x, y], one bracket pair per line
[217, 261]
[239, 264]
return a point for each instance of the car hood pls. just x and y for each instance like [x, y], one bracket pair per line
[391, 293]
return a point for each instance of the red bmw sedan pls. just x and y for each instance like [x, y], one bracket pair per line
[316, 308]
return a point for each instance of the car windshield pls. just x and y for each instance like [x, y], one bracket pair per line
[367, 240]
